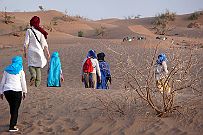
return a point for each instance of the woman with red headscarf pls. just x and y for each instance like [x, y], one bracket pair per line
[34, 46]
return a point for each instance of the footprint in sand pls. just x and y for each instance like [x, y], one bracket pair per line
[72, 124]
[46, 129]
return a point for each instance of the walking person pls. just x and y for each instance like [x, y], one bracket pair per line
[161, 72]
[105, 72]
[34, 46]
[55, 75]
[90, 70]
[13, 87]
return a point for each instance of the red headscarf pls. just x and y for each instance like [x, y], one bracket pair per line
[35, 23]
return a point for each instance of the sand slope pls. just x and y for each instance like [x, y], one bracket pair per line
[73, 110]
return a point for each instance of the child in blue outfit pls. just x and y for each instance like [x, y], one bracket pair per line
[55, 75]
[105, 72]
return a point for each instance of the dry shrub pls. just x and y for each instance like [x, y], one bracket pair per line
[194, 25]
[7, 18]
[100, 31]
[116, 105]
[138, 72]
[161, 22]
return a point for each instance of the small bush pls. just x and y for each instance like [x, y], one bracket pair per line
[100, 31]
[194, 16]
[80, 34]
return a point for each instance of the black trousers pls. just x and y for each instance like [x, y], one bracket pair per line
[14, 99]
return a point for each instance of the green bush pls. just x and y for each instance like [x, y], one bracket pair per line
[194, 16]
[80, 34]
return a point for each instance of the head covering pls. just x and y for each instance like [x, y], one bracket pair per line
[35, 21]
[91, 54]
[100, 56]
[16, 66]
[54, 70]
[161, 58]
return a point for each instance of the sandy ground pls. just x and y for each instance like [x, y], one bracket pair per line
[73, 110]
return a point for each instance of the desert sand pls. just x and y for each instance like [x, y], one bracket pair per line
[74, 110]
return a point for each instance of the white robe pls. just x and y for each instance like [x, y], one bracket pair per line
[36, 56]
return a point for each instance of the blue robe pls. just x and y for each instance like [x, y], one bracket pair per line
[54, 73]
[105, 72]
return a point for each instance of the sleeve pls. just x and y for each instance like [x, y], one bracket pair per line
[108, 69]
[98, 68]
[26, 39]
[165, 67]
[43, 41]
[3, 81]
[23, 82]
[82, 66]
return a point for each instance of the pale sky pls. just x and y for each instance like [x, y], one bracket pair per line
[102, 9]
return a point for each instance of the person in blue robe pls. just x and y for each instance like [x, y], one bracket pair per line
[55, 75]
[105, 72]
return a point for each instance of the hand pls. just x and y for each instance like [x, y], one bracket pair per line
[109, 79]
[25, 55]
[99, 80]
[48, 55]
[62, 79]
[2, 96]
[24, 95]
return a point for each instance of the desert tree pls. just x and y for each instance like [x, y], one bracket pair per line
[100, 31]
[7, 18]
[41, 8]
[162, 20]
[137, 72]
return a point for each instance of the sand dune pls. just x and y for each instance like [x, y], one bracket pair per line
[74, 110]
[141, 30]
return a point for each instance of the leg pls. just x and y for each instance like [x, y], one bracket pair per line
[38, 76]
[159, 85]
[93, 80]
[14, 100]
[86, 80]
[33, 75]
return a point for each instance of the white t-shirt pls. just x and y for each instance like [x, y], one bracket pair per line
[13, 82]
[36, 56]
[95, 64]
[161, 70]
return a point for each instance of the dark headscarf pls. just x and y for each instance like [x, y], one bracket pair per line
[100, 56]
[35, 21]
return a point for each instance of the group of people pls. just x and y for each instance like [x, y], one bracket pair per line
[95, 72]
[13, 85]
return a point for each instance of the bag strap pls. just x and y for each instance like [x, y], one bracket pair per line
[35, 35]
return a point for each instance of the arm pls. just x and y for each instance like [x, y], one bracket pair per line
[23, 84]
[44, 45]
[98, 69]
[82, 77]
[26, 43]
[3, 81]
[165, 67]
[47, 52]
[108, 73]
[62, 78]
